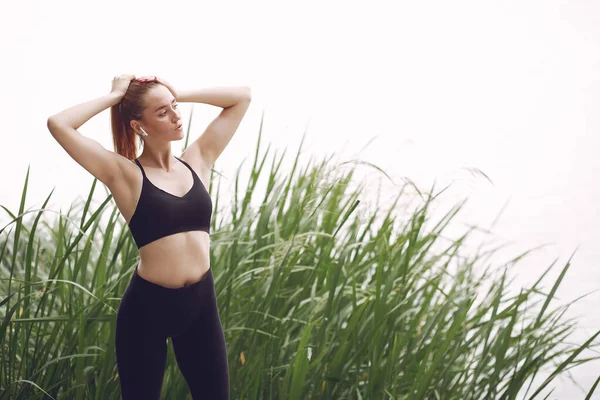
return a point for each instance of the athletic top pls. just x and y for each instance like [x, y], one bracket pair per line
[159, 213]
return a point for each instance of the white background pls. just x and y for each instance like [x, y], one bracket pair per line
[420, 89]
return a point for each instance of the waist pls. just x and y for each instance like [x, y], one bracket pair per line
[175, 276]
[174, 265]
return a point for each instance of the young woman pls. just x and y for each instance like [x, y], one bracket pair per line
[165, 201]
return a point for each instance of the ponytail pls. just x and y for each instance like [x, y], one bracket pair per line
[129, 108]
[124, 139]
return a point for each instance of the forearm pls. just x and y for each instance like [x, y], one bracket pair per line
[78, 114]
[216, 96]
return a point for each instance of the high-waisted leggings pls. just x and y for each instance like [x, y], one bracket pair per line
[150, 313]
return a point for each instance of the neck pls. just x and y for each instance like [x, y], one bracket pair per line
[160, 160]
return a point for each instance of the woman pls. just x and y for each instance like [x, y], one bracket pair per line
[165, 201]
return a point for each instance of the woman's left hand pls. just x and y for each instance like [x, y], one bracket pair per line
[169, 86]
[152, 78]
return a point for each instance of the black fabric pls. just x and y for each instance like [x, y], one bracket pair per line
[159, 213]
[150, 313]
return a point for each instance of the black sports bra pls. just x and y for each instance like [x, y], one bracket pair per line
[159, 213]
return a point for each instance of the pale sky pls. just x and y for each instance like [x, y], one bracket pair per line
[421, 89]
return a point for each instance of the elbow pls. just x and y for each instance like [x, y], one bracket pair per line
[247, 93]
[52, 124]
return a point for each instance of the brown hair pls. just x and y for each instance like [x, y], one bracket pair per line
[130, 107]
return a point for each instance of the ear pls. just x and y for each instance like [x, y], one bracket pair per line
[133, 124]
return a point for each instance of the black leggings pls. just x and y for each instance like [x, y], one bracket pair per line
[147, 315]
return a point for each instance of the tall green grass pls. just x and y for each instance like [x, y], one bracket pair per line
[318, 300]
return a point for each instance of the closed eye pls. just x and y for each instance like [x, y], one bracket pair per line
[165, 113]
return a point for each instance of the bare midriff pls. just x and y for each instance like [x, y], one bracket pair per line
[176, 260]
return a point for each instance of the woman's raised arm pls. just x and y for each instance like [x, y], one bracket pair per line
[104, 164]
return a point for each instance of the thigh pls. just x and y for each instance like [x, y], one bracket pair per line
[141, 354]
[201, 353]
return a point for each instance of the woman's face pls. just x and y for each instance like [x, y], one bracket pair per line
[161, 115]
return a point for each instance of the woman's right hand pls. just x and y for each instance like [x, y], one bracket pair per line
[120, 84]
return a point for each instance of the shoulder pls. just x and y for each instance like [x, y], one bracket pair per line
[193, 156]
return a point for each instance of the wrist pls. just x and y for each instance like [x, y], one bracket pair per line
[115, 97]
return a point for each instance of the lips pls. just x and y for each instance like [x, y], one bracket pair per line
[179, 126]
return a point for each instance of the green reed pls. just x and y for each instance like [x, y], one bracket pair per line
[318, 300]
